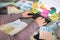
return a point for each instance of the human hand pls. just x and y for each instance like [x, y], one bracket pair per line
[25, 14]
[40, 21]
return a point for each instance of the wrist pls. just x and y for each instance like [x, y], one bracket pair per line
[20, 15]
[35, 23]
[38, 23]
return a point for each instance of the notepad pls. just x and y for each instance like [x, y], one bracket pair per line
[13, 27]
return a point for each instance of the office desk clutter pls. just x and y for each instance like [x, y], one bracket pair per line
[49, 13]
[38, 9]
[35, 7]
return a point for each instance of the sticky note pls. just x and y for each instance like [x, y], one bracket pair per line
[35, 5]
[54, 17]
[34, 11]
[45, 13]
[52, 10]
[42, 6]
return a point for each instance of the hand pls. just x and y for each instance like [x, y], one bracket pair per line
[25, 14]
[40, 21]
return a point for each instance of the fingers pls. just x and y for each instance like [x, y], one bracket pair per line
[45, 23]
[29, 15]
[41, 21]
[25, 14]
[39, 18]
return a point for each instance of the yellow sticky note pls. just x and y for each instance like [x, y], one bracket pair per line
[54, 17]
[35, 5]
[42, 6]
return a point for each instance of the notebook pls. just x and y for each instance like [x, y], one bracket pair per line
[13, 27]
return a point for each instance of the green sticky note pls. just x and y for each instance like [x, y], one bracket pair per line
[53, 11]
[34, 11]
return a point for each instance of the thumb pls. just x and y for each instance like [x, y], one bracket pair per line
[30, 15]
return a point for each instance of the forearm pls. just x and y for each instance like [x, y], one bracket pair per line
[22, 35]
[26, 33]
[9, 18]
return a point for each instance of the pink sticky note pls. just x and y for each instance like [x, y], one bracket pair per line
[45, 13]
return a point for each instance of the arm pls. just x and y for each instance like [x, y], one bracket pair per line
[22, 35]
[26, 33]
[9, 18]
